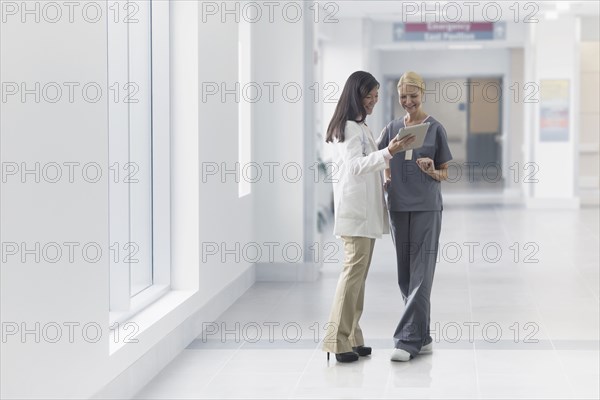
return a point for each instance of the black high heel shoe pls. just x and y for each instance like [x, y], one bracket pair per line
[362, 351]
[345, 357]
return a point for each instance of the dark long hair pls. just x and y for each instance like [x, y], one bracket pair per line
[350, 107]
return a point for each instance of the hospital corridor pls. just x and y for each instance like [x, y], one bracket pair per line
[299, 199]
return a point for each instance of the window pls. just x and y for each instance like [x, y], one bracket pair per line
[244, 106]
[139, 184]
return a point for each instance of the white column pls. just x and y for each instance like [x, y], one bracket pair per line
[284, 209]
[555, 56]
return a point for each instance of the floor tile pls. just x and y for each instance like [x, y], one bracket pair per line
[509, 329]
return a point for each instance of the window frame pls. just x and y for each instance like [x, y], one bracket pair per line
[122, 305]
[244, 105]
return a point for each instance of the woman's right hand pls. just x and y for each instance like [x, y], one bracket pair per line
[397, 146]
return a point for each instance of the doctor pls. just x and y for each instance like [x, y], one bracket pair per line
[360, 210]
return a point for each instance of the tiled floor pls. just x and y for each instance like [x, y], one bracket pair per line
[515, 313]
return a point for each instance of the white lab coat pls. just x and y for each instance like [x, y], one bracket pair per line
[359, 202]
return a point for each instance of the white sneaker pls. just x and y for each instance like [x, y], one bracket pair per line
[427, 349]
[400, 355]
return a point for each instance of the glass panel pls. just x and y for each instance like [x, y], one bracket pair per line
[139, 170]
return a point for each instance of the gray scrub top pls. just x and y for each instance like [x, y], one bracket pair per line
[412, 189]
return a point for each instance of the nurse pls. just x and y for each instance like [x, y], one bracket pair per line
[414, 200]
[360, 212]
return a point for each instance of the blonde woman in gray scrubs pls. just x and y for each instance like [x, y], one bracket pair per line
[413, 183]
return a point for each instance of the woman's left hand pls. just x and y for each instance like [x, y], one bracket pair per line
[387, 183]
[426, 165]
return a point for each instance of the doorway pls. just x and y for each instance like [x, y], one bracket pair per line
[470, 109]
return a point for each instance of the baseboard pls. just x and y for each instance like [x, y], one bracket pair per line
[140, 373]
[287, 272]
[589, 197]
[570, 203]
[508, 197]
[588, 183]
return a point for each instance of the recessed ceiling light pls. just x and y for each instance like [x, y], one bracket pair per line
[465, 46]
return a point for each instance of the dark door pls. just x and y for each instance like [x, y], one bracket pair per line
[484, 129]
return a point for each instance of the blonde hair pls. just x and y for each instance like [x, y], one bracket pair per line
[413, 79]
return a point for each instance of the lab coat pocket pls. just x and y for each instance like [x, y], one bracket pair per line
[353, 204]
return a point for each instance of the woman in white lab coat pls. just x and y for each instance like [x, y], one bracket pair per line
[359, 207]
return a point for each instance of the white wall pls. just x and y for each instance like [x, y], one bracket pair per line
[225, 219]
[516, 122]
[279, 137]
[343, 54]
[589, 113]
[446, 63]
[44, 132]
[78, 292]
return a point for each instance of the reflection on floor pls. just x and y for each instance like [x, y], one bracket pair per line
[515, 314]
[468, 178]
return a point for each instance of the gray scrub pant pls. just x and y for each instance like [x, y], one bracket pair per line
[416, 235]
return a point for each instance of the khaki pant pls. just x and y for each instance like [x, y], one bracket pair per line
[343, 331]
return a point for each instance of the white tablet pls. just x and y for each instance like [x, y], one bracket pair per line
[419, 131]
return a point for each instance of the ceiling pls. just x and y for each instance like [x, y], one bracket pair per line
[454, 11]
